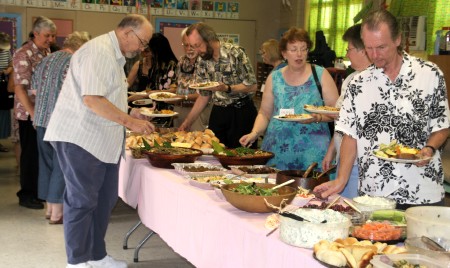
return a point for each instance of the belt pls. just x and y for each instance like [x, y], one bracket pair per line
[185, 104]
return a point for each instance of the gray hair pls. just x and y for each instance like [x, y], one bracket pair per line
[183, 32]
[133, 21]
[42, 23]
[205, 31]
[76, 39]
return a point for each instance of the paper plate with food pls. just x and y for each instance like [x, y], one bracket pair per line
[163, 96]
[322, 109]
[141, 93]
[204, 85]
[142, 102]
[157, 113]
[396, 152]
[293, 117]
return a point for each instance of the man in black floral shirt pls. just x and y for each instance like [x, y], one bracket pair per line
[233, 111]
[399, 97]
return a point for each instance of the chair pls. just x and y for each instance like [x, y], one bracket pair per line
[338, 76]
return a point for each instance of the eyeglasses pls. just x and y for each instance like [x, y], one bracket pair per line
[296, 50]
[350, 49]
[143, 43]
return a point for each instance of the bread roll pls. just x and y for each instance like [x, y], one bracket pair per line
[332, 257]
[206, 146]
[365, 259]
[209, 132]
[347, 241]
[351, 261]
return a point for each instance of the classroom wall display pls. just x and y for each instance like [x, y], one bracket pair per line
[177, 8]
[12, 24]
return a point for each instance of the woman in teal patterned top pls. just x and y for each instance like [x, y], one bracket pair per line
[295, 145]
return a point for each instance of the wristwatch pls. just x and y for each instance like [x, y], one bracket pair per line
[229, 89]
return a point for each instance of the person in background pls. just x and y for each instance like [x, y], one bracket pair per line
[399, 97]
[157, 69]
[359, 62]
[5, 71]
[87, 131]
[271, 55]
[185, 76]
[47, 80]
[25, 60]
[295, 144]
[233, 109]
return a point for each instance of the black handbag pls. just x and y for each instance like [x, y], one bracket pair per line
[6, 98]
[319, 87]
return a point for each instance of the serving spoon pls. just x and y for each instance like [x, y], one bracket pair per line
[283, 184]
[309, 169]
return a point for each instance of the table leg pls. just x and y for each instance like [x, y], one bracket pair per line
[136, 251]
[125, 240]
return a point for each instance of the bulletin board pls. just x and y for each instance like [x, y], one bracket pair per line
[171, 29]
[12, 25]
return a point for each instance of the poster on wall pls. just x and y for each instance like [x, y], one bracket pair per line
[228, 38]
[173, 8]
[12, 24]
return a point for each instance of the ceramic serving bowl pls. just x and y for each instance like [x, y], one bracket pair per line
[166, 159]
[257, 159]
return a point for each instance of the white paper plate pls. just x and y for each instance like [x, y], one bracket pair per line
[199, 85]
[404, 161]
[295, 119]
[313, 109]
[142, 102]
[142, 93]
[156, 96]
[151, 114]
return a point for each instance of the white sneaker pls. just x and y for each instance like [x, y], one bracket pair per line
[79, 265]
[108, 262]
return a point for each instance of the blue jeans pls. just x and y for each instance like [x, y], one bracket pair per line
[90, 196]
[51, 183]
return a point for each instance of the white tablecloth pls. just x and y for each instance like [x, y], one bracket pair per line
[201, 227]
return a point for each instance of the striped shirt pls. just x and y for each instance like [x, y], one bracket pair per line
[47, 80]
[5, 59]
[95, 69]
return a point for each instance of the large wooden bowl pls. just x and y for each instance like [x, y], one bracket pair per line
[306, 183]
[243, 160]
[165, 160]
[254, 203]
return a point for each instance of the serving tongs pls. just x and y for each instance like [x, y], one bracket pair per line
[431, 244]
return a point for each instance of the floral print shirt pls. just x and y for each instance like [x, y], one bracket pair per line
[185, 75]
[234, 67]
[377, 110]
[25, 60]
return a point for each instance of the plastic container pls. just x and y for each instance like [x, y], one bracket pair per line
[444, 47]
[372, 203]
[378, 262]
[417, 246]
[307, 233]
[430, 221]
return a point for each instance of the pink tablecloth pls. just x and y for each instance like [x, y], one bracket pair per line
[204, 229]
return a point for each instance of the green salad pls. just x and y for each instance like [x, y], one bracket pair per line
[253, 189]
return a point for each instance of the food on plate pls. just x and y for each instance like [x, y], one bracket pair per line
[377, 231]
[357, 254]
[302, 192]
[172, 150]
[161, 96]
[406, 264]
[208, 179]
[205, 84]
[140, 102]
[316, 225]
[396, 150]
[163, 111]
[296, 116]
[256, 169]
[239, 151]
[199, 168]
[253, 189]
[322, 108]
[323, 205]
[196, 139]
